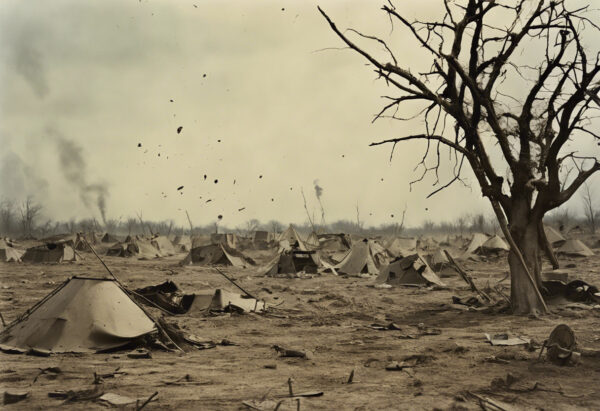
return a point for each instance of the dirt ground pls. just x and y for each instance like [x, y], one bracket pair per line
[330, 317]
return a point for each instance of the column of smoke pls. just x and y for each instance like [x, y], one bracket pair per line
[319, 193]
[74, 168]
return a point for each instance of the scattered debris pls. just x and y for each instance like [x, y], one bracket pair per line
[506, 340]
[283, 352]
[139, 353]
[12, 397]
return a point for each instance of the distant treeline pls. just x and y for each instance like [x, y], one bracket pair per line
[26, 220]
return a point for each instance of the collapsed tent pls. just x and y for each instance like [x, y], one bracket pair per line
[8, 251]
[81, 315]
[50, 253]
[163, 245]
[364, 257]
[401, 246]
[427, 243]
[410, 270]
[554, 237]
[134, 247]
[334, 242]
[575, 248]
[293, 262]
[493, 245]
[217, 254]
[169, 297]
[438, 261]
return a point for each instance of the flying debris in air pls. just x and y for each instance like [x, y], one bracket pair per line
[204, 75]
[179, 129]
[392, 215]
[260, 176]
[205, 176]
[220, 217]
[209, 200]
[139, 144]
[216, 181]
[171, 100]
[179, 188]
[241, 209]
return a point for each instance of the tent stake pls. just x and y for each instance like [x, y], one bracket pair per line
[233, 282]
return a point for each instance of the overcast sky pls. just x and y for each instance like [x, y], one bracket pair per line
[83, 83]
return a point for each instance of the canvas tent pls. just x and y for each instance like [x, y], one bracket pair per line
[364, 257]
[163, 245]
[8, 252]
[262, 240]
[229, 240]
[401, 246]
[217, 254]
[575, 248]
[183, 242]
[134, 247]
[292, 238]
[334, 242]
[494, 245]
[50, 253]
[81, 315]
[292, 262]
[554, 237]
[440, 264]
[476, 242]
[410, 270]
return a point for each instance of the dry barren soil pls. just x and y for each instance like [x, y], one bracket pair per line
[329, 316]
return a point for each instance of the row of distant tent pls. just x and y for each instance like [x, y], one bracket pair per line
[216, 247]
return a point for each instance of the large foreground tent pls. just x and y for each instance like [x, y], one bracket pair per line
[217, 254]
[81, 315]
[410, 270]
[575, 248]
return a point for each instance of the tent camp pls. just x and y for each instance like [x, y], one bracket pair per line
[494, 245]
[217, 254]
[554, 236]
[50, 253]
[163, 245]
[401, 246]
[292, 262]
[81, 315]
[8, 251]
[410, 270]
[364, 257]
[142, 249]
[575, 248]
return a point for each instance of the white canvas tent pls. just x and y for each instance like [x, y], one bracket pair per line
[575, 248]
[364, 257]
[81, 315]
[410, 270]
[217, 254]
[493, 245]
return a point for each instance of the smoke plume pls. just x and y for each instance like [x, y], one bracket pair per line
[74, 168]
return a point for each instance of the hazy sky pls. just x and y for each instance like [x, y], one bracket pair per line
[83, 83]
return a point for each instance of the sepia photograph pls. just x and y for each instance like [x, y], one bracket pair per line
[280, 205]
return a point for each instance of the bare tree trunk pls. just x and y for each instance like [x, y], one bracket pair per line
[524, 231]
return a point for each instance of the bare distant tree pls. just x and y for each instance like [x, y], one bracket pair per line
[7, 217]
[251, 226]
[461, 224]
[590, 210]
[469, 108]
[276, 226]
[30, 210]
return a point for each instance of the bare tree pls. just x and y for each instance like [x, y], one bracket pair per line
[276, 226]
[30, 210]
[7, 217]
[251, 226]
[461, 224]
[589, 207]
[474, 60]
